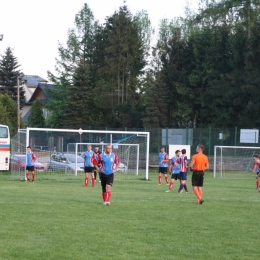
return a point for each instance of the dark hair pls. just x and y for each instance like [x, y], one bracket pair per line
[29, 146]
[177, 151]
[97, 146]
[256, 156]
[183, 151]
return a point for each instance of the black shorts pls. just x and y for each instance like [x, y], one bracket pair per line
[163, 170]
[106, 180]
[30, 168]
[176, 176]
[89, 169]
[197, 178]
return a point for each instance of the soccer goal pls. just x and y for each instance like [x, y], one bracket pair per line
[55, 149]
[128, 153]
[233, 162]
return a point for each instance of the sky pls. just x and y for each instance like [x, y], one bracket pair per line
[33, 28]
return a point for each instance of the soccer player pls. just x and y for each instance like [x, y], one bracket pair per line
[96, 151]
[163, 166]
[175, 169]
[256, 169]
[30, 159]
[199, 163]
[88, 165]
[184, 171]
[107, 164]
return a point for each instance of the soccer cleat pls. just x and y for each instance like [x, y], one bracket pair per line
[167, 183]
[168, 191]
[27, 181]
[108, 203]
[159, 184]
[201, 201]
[32, 181]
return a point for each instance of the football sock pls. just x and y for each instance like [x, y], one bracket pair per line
[166, 179]
[33, 176]
[185, 187]
[181, 187]
[86, 182]
[108, 196]
[27, 176]
[93, 182]
[257, 184]
[104, 196]
[196, 191]
[171, 185]
[160, 179]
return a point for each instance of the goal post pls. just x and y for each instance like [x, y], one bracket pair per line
[130, 157]
[56, 141]
[233, 161]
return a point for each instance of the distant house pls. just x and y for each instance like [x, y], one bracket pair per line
[34, 87]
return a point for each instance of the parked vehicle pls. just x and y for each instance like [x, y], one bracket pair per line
[18, 163]
[64, 162]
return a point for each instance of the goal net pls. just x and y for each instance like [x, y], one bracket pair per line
[233, 162]
[59, 151]
[128, 154]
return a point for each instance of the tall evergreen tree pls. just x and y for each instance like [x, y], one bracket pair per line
[78, 105]
[9, 73]
[80, 45]
[36, 117]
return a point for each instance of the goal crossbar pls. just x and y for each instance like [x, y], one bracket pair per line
[80, 131]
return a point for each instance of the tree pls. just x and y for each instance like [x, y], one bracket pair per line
[78, 105]
[9, 73]
[79, 46]
[36, 117]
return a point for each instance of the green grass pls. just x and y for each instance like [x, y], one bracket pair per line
[61, 219]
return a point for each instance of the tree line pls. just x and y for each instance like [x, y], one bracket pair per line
[203, 69]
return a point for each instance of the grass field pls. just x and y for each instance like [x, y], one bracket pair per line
[61, 219]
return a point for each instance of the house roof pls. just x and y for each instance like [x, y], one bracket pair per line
[33, 80]
[41, 93]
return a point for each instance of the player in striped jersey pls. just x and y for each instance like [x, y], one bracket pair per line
[163, 166]
[107, 164]
[175, 169]
[184, 171]
[256, 169]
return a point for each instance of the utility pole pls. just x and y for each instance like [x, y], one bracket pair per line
[20, 76]
[18, 103]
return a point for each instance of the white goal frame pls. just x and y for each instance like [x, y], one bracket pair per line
[80, 131]
[221, 158]
[134, 145]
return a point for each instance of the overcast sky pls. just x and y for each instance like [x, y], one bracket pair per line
[33, 28]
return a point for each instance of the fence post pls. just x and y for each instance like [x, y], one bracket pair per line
[159, 141]
[187, 136]
[235, 152]
[209, 138]
[166, 143]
